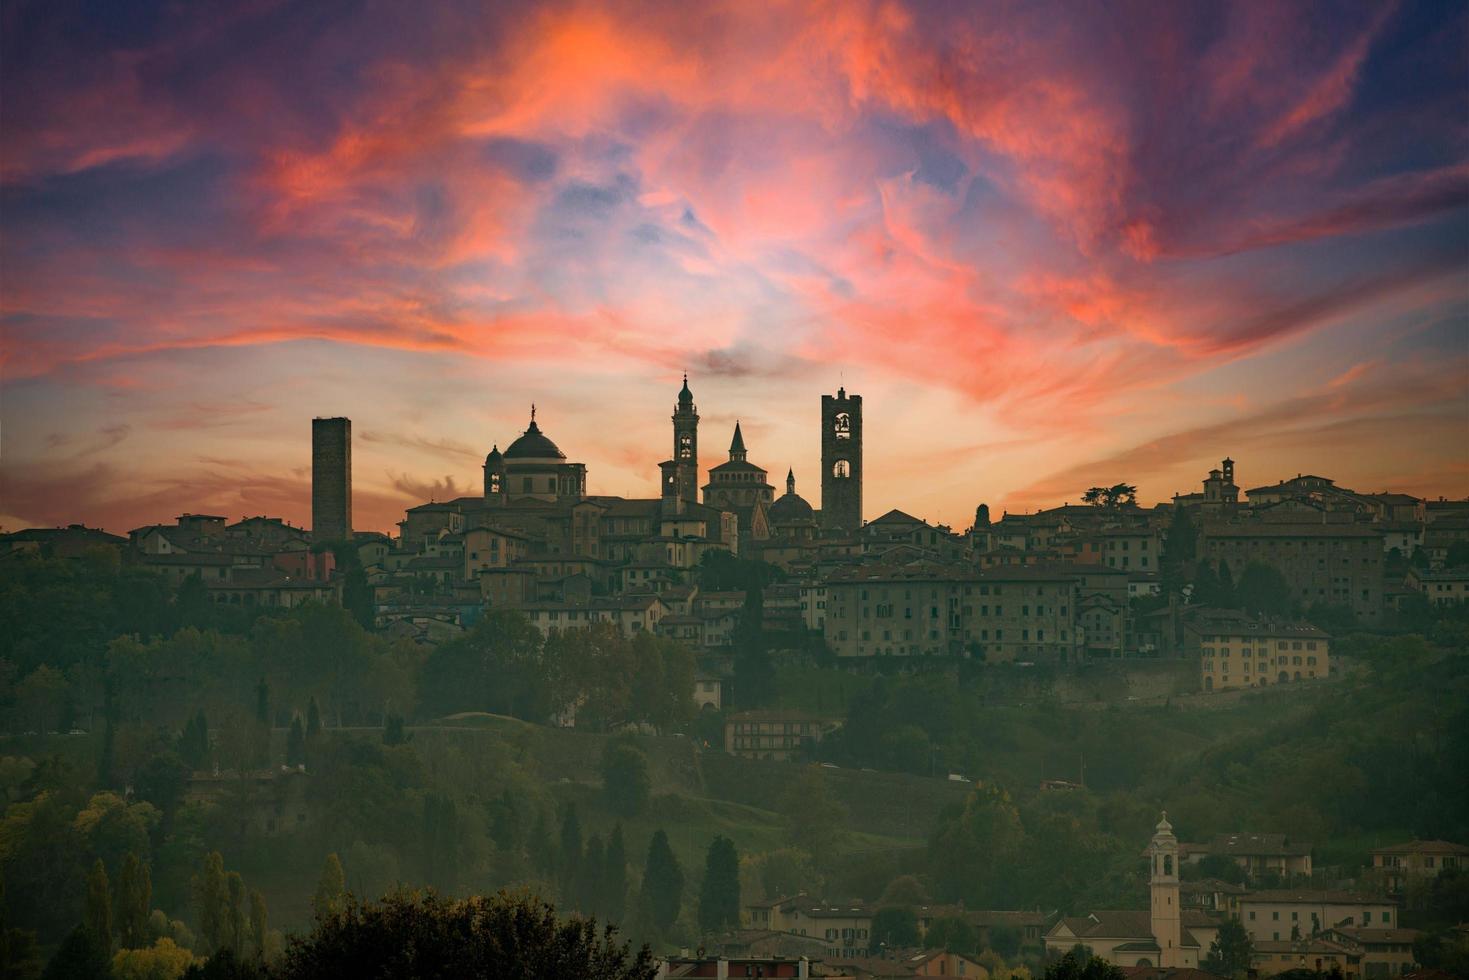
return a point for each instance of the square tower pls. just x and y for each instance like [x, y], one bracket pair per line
[331, 479]
[841, 462]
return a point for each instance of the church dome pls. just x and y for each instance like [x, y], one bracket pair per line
[790, 508]
[494, 458]
[533, 445]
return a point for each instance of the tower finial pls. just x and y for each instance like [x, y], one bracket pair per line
[532, 411]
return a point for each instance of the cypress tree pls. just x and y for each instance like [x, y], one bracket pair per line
[331, 890]
[663, 882]
[541, 851]
[614, 878]
[259, 922]
[589, 880]
[569, 855]
[313, 718]
[719, 893]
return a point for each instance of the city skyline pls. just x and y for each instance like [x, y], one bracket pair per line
[1043, 267]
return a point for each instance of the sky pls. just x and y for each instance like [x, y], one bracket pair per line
[1051, 245]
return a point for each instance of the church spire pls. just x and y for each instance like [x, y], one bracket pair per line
[737, 445]
[790, 481]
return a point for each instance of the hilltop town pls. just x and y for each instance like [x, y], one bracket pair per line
[918, 736]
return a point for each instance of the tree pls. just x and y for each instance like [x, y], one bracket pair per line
[663, 882]
[82, 956]
[440, 841]
[393, 730]
[815, 819]
[296, 743]
[1231, 951]
[951, 933]
[1075, 967]
[505, 822]
[194, 742]
[1094, 496]
[409, 934]
[894, 927]
[99, 906]
[163, 960]
[614, 878]
[589, 879]
[719, 892]
[1262, 589]
[259, 923]
[1457, 555]
[539, 849]
[131, 903]
[625, 778]
[331, 890]
[569, 854]
[1227, 597]
[313, 719]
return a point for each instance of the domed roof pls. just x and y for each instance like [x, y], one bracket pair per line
[533, 444]
[791, 507]
[494, 458]
[685, 397]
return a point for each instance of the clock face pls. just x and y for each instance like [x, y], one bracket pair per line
[842, 425]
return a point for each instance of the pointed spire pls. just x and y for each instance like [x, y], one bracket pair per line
[737, 444]
[790, 481]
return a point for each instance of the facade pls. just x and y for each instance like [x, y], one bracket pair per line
[741, 487]
[1417, 860]
[1442, 588]
[1003, 614]
[773, 734]
[1258, 855]
[1337, 564]
[1285, 914]
[1236, 650]
[331, 479]
[841, 462]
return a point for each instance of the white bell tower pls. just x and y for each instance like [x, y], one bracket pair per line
[1167, 918]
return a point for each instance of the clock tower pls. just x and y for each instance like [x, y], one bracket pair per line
[841, 462]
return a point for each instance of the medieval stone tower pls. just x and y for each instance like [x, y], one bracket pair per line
[680, 476]
[331, 479]
[1167, 917]
[841, 462]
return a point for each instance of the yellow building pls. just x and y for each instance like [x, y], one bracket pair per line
[1236, 650]
[1417, 860]
[1284, 915]
[773, 734]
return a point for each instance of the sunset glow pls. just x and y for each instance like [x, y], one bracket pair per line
[1052, 247]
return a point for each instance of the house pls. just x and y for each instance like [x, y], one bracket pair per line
[1443, 588]
[708, 691]
[1274, 956]
[1236, 650]
[1212, 896]
[1258, 855]
[846, 929]
[1383, 952]
[773, 733]
[1280, 915]
[1399, 864]
[728, 967]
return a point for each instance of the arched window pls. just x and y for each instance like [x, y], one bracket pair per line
[842, 425]
[841, 470]
[1167, 864]
[494, 483]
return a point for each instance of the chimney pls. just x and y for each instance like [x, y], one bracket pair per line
[722, 969]
[803, 969]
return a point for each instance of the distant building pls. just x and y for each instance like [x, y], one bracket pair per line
[72, 541]
[1258, 855]
[841, 462]
[1337, 564]
[1273, 916]
[741, 487]
[1444, 588]
[775, 734]
[1400, 864]
[331, 479]
[1236, 650]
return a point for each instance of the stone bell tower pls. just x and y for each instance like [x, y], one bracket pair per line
[1167, 917]
[841, 462]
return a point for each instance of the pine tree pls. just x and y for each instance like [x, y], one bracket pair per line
[237, 924]
[1226, 585]
[719, 893]
[331, 890]
[313, 719]
[614, 878]
[569, 855]
[98, 916]
[131, 903]
[663, 882]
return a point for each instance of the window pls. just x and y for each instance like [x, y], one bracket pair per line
[841, 470]
[841, 425]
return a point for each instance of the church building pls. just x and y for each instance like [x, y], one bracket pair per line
[532, 467]
[740, 486]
